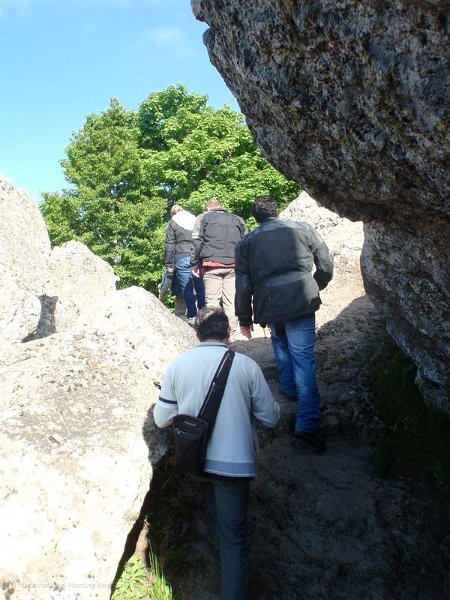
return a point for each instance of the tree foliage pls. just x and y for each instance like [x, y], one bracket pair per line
[127, 168]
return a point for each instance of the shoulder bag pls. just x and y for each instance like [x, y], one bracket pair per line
[191, 434]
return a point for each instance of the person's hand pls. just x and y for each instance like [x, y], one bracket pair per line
[247, 331]
[196, 272]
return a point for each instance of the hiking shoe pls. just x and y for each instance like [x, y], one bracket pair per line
[312, 438]
[191, 321]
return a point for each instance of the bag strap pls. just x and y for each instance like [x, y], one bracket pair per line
[210, 406]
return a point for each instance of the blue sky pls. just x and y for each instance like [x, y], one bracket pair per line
[61, 60]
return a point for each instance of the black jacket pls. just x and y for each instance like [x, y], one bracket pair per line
[274, 266]
[178, 237]
[215, 236]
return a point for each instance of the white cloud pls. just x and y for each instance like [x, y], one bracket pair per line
[164, 36]
[17, 7]
[168, 38]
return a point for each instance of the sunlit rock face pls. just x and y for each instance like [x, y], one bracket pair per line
[351, 100]
[81, 365]
[24, 254]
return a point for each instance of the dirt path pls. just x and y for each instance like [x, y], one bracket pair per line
[322, 525]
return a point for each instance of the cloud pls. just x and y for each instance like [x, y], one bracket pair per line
[168, 38]
[18, 7]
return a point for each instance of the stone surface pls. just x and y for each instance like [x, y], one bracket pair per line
[351, 100]
[73, 401]
[408, 279]
[24, 252]
[73, 460]
[78, 282]
[348, 98]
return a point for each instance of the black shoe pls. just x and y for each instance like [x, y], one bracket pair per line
[312, 438]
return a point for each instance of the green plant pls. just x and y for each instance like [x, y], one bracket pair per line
[417, 440]
[127, 168]
[159, 588]
[133, 582]
[136, 583]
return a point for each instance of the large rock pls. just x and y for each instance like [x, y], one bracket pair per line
[408, 279]
[73, 460]
[78, 281]
[42, 290]
[24, 252]
[351, 100]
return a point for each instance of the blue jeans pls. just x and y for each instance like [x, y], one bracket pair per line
[188, 282]
[293, 346]
[226, 499]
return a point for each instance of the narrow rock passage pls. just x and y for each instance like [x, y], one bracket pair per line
[321, 525]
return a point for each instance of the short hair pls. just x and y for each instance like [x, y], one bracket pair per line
[211, 323]
[213, 204]
[176, 208]
[263, 208]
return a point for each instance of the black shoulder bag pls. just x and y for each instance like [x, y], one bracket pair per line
[191, 434]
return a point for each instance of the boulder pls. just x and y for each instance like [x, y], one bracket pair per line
[24, 253]
[73, 459]
[351, 100]
[78, 281]
[407, 276]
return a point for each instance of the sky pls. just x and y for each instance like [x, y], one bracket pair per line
[61, 60]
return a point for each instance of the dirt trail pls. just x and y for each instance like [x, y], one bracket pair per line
[322, 525]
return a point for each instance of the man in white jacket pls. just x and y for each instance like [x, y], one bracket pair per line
[231, 452]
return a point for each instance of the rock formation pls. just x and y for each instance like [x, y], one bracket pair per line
[73, 462]
[74, 400]
[78, 281]
[351, 100]
[24, 253]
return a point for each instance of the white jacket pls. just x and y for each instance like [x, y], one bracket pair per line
[233, 446]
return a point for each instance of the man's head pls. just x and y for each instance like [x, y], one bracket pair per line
[212, 324]
[176, 208]
[263, 208]
[213, 204]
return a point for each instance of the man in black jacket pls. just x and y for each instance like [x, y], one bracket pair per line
[275, 283]
[214, 237]
[177, 259]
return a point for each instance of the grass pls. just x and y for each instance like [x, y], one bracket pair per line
[138, 583]
[417, 439]
[168, 511]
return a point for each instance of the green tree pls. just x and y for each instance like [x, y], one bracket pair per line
[128, 168]
[108, 209]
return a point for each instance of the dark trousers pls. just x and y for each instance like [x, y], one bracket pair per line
[226, 499]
